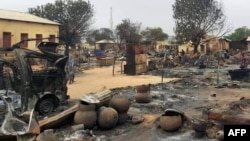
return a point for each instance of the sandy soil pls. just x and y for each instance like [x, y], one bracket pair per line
[94, 80]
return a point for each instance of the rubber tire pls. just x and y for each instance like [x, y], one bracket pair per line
[43, 104]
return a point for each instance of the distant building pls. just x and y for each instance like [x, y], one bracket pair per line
[248, 43]
[214, 44]
[106, 45]
[241, 45]
[87, 46]
[16, 26]
[160, 46]
[208, 45]
[236, 46]
[157, 46]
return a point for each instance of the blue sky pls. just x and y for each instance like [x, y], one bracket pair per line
[151, 13]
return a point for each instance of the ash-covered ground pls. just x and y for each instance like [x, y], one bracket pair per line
[195, 93]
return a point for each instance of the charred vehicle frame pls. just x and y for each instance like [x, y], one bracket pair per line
[36, 78]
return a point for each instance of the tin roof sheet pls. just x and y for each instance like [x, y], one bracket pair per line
[22, 16]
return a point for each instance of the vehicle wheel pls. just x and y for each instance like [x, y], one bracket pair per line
[45, 106]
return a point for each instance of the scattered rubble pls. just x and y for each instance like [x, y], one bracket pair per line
[192, 107]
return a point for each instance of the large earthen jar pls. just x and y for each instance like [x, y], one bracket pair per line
[120, 103]
[107, 118]
[86, 115]
[170, 122]
[123, 117]
[143, 94]
[86, 107]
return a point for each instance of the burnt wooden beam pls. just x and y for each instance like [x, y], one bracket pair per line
[57, 120]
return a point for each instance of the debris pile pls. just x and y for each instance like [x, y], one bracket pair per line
[189, 108]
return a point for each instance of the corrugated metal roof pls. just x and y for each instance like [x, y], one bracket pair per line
[22, 16]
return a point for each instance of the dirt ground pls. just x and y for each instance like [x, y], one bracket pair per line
[94, 80]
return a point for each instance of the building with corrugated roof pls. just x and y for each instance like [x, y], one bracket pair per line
[16, 26]
[106, 45]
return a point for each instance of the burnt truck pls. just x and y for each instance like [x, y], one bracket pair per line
[33, 79]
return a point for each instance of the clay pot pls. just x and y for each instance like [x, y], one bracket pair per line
[220, 135]
[123, 117]
[143, 94]
[171, 120]
[199, 126]
[143, 88]
[211, 133]
[88, 118]
[47, 135]
[107, 118]
[119, 103]
[86, 107]
[143, 97]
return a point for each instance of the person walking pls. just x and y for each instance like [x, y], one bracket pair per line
[70, 69]
[243, 61]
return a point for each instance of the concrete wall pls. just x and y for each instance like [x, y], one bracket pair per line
[211, 46]
[217, 44]
[18, 27]
[160, 46]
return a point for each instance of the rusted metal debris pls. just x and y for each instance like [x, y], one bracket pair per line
[99, 98]
[30, 81]
[58, 119]
[18, 125]
[37, 77]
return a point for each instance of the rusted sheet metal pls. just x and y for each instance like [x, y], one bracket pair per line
[136, 60]
[141, 58]
[38, 77]
[135, 69]
[15, 124]
[28, 82]
[97, 98]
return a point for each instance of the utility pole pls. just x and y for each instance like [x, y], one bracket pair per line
[111, 19]
[111, 28]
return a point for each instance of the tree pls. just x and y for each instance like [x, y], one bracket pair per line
[154, 34]
[239, 34]
[73, 15]
[100, 34]
[196, 18]
[128, 32]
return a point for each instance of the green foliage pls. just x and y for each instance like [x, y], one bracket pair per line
[154, 34]
[100, 34]
[128, 31]
[196, 18]
[73, 15]
[239, 34]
